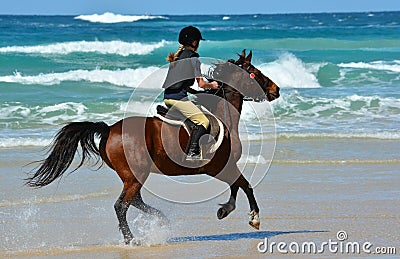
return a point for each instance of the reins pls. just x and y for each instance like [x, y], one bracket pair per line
[226, 107]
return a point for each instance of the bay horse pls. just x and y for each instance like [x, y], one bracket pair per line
[134, 147]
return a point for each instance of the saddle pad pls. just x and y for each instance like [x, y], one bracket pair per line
[216, 131]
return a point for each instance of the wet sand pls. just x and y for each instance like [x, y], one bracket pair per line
[314, 188]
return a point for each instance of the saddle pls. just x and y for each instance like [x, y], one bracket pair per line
[215, 131]
[174, 117]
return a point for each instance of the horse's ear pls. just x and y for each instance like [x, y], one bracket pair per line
[248, 58]
[243, 53]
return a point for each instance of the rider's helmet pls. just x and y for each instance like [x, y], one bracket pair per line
[188, 35]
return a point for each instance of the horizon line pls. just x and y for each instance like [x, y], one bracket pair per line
[216, 14]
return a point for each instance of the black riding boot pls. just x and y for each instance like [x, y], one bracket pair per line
[194, 146]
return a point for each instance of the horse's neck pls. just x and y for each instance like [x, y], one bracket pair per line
[229, 111]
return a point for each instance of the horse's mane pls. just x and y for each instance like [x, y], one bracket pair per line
[233, 78]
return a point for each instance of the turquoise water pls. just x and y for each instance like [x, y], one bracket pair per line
[339, 72]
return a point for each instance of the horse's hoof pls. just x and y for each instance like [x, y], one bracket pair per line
[133, 242]
[254, 220]
[222, 213]
[128, 241]
[225, 210]
[255, 224]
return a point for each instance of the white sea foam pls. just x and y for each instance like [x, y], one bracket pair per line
[127, 77]
[116, 18]
[55, 199]
[17, 142]
[384, 135]
[29, 121]
[375, 65]
[322, 115]
[294, 106]
[226, 18]
[104, 47]
[252, 112]
[259, 159]
[24, 142]
[78, 107]
[288, 71]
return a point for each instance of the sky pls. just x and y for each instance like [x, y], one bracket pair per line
[74, 7]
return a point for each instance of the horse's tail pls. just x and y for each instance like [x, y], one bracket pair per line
[63, 149]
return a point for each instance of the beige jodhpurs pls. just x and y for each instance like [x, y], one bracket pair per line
[191, 111]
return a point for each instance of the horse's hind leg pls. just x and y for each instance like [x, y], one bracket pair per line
[139, 203]
[130, 191]
[121, 207]
[227, 208]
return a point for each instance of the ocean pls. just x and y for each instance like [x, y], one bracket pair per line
[339, 72]
[334, 163]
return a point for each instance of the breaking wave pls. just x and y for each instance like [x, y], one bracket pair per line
[127, 77]
[375, 65]
[116, 47]
[116, 18]
[288, 71]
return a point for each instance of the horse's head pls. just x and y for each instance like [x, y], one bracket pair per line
[243, 78]
[270, 89]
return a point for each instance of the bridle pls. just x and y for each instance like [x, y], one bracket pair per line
[223, 92]
[264, 86]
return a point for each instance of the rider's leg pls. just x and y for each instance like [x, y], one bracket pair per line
[192, 112]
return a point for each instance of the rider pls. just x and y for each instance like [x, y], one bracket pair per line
[175, 94]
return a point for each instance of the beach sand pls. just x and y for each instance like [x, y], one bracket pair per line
[314, 189]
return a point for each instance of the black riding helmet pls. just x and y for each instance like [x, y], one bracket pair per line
[188, 35]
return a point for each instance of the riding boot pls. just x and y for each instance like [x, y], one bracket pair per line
[194, 146]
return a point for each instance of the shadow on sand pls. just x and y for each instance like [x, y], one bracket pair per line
[237, 236]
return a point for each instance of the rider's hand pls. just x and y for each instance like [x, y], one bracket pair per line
[214, 85]
[204, 84]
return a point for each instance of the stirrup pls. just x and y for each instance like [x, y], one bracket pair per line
[193, 157]
[197, 157]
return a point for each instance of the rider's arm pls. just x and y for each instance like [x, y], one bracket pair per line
[203, 84]
[197, 73]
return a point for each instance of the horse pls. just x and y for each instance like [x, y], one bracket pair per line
[134, 147]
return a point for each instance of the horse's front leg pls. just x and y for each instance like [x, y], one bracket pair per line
[230, 206]
[254, 218]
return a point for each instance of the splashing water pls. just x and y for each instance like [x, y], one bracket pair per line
[150, 230]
